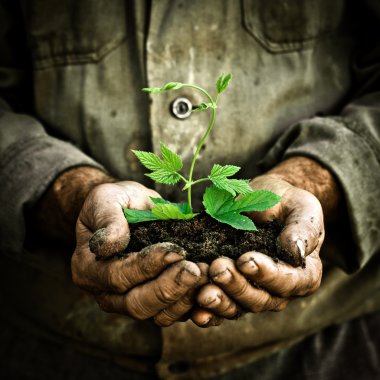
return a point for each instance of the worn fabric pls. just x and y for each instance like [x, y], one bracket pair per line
[76, 68]
[347, 351]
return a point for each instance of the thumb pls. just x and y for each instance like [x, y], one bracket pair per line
[112, 239]
[103, 215]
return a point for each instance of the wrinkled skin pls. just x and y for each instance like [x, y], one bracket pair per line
[156, 282]
[232, 290]
[159, 283]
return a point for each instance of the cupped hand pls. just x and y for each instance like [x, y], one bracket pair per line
[257, 283]
[155, 282]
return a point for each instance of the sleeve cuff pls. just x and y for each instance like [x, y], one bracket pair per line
[349, 155]
[27, 168]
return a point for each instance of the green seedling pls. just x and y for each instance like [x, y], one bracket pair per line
[224, 200]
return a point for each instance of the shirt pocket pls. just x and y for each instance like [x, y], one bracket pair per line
[64, 32]
[286, 25]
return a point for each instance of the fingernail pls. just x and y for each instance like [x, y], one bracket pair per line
[211, 302]
[97, 240]
[249, 265]
[187, 277]
[172, 257]
[301, 248]
[206, 322]
[224, 276]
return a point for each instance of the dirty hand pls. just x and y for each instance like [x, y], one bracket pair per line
[256, 283]
[156, 282]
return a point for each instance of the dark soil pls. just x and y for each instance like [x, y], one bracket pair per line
[205, 239]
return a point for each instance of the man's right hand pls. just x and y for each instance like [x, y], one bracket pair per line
[156, 282]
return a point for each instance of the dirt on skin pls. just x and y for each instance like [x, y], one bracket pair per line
[205, 239]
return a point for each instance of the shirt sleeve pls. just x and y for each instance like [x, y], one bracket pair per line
[348, 145]
[30, 159]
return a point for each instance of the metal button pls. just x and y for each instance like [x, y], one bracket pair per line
[181, 108]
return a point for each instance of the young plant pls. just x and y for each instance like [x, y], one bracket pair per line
[219, 199]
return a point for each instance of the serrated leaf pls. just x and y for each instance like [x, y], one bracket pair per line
[235, 220]
[164, 176]
[167, 211]
[221, 205]
[150, 160]
[158, 200]
[171, 160]
[222, 82]
[137, 216]
[184, 207]
[219, 171]
[233, 186]
[258, 200]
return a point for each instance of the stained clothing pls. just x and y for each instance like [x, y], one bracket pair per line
[306, 82]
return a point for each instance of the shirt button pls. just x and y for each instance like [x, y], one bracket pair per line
[181, 108]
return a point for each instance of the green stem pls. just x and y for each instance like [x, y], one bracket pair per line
[183, 178]
[203, 138]
[200, 180]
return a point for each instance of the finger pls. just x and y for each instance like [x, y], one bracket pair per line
[175, 312]
[280, 278]
[205, 318]
[145, 301]
[304, 228]
[123, 274]
[178, 310]
[213, 298]
[224, 273]
[102, 215]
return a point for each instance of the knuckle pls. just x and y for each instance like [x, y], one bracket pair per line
[162, 320]
[240, 290]
[259, 304]
[133, 309]
[165, 294]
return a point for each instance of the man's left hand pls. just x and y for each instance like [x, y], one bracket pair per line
[256, 283]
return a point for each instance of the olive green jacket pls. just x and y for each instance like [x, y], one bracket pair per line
[306, 82]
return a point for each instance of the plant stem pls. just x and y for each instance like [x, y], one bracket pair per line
[203, 138]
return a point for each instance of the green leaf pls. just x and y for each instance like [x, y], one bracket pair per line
[165, 176]
[235, 220]
[219, 171]
[221, 205]
[258, 200]
[184, 207]
[167, 87]
[233, 186]
[163, 170]
[222, 82]
[171, 160]
[204, 106]
[159, 200]
[219, 178]
[150, 160]
[166, 211]
[137, 216]
[172, 86]
[152, 89]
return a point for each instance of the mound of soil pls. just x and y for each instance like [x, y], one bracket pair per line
[205, 239]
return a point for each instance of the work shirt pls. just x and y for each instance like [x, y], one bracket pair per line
[71, 96]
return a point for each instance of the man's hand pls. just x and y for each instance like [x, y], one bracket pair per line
[256, 283]
[156, 282]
